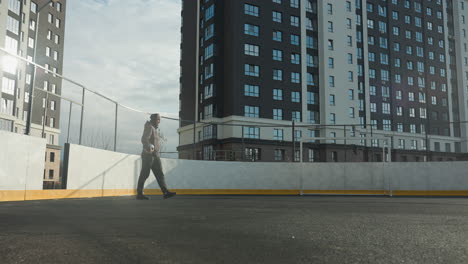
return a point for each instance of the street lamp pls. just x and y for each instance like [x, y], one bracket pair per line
[33, 83]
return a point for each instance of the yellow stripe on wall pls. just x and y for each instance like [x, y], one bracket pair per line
[430, 193]
[67, 194]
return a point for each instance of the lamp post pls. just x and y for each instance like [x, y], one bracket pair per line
[33, 83]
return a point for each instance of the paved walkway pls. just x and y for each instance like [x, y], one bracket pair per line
[242, 229]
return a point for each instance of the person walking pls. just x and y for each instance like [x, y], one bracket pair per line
[151, 158]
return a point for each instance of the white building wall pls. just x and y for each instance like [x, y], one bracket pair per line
[461, 45]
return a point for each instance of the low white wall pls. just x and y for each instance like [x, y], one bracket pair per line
[430, 176]
[98, 169]
[90, 168]
[22, 161]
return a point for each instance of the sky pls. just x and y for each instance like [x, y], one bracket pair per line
[130, 52]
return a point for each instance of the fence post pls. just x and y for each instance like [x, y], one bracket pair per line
[293, 141]
[45, 114]
[243, 145]
[194, 138]
[82, 113]
[31, 100]
[115, 126]
[346, 146]
[69, 122]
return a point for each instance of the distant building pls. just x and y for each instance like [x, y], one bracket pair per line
[18, 26]
[395, 68]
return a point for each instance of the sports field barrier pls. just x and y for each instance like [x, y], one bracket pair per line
[98, 173]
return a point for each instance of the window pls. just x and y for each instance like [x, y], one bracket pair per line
[209, 32]
[209, 51]
[295, 97]
[13, 25]
[251, 111]
[310, 79]
[251, 10]
[277, 36]
[279, 154]
[386, 108]
[331, 81]
[330, 9]
[332, 118]
[401, 143]
[348, 6]
[249, 49]
[332, 99]
[373, 107]
[209, 13]
[251, 90]
[312, 117]
[311, 98]
[251, 132]
[277, 75]
[350, 76]
[33, 7]
[294, 39]
[294, 21]
[8, 85]
[295, 77]
[277, 94]
[296, 116]
[278, 134]
[331, 63]
[294, 3]
[30, 43]
[252, 70]
[277, 55]
[351, 112]
[277, 16]
[382, 27]
[278, 114]
[251, 30]
[52, 105]
[209, 71]
[330, 26]
[208, 91]
[349, 40]
[50, 18]
[14, 6]
[57, 23]
[295, 58]
[387, 125]
[57, 39]
[351, 94]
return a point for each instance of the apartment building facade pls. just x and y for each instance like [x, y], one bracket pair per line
[19, 26]
[369, 73]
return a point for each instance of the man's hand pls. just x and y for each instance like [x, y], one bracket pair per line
[151, 150]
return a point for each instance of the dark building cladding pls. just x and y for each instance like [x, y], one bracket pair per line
[264, 63]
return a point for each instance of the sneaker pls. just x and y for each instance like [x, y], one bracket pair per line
[141, 197]
[169, 195]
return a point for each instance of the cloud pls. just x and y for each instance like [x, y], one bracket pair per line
[128, 51]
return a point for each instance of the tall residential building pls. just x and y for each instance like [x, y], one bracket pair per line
[360, 70]
[18, 26]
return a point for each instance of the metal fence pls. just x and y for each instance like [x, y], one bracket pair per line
[92, 119]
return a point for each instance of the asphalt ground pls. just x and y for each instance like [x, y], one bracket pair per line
[236, 229]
